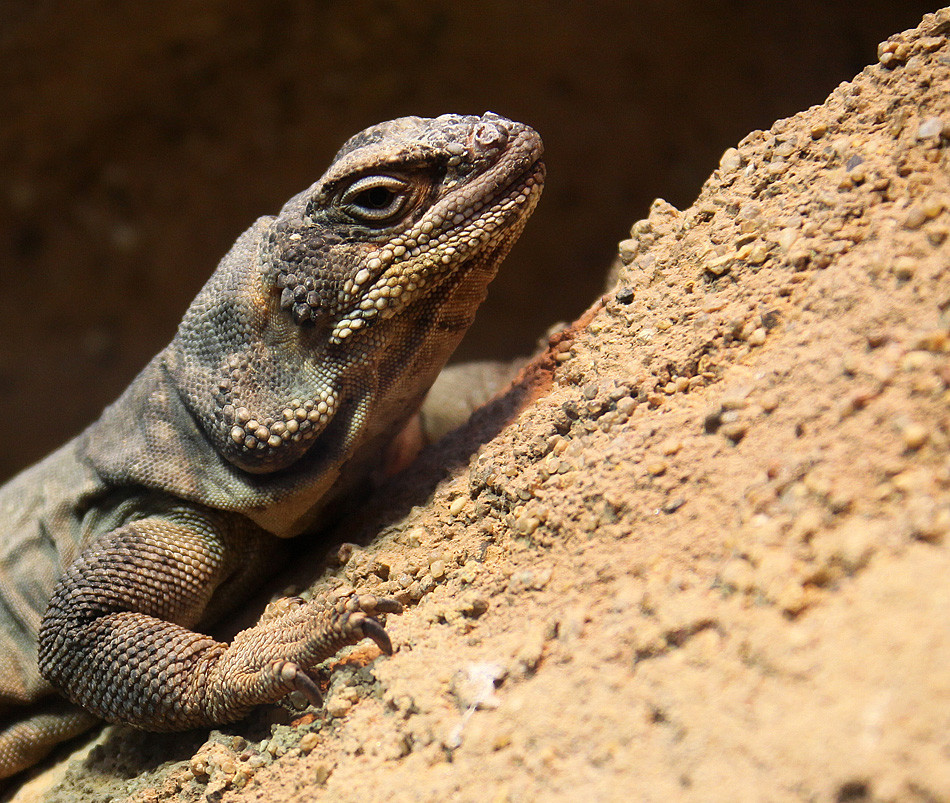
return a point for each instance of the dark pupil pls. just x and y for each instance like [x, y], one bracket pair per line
[375, 198]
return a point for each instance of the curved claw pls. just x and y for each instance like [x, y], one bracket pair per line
[374, 630]
[301, 681]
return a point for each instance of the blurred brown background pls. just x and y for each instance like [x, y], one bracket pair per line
[137, 140]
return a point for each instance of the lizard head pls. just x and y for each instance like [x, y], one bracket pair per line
[404, 205]
[362, 286]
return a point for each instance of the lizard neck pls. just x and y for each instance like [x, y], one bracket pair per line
[152, 437]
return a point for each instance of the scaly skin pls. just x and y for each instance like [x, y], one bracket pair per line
[305, 354]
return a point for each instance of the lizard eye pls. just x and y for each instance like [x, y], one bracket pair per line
[375, 199]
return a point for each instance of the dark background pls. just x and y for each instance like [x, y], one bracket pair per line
[137, 140]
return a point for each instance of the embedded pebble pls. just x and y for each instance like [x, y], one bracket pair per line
[321, 772]
[927, 520]
[626, 405]
[628, 250]
[915, 436]
[757, 338]
[256, 761]
[931, 127]
[892, 53]
[337, 706]
[527, 524]
[731, 160]
[671, 446]
[915, 217]
[625, 295]
[719, 265]
[735, 430]
[672, 505]
[472, 604]
[932, 206]
[656, 467]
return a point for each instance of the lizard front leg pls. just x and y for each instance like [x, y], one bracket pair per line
[117, 637]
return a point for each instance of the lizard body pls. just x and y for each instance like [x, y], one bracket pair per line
[305, 354]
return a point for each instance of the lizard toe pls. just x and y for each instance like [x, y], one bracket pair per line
[374, 630]
[371, 604]
[298, 680]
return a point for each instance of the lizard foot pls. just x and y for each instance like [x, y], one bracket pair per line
[277, 656]
[352, 616]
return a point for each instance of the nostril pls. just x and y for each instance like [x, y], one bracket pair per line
[490, 135]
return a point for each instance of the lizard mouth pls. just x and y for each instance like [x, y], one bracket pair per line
[481, 220]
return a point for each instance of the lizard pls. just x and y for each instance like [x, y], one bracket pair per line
[309, 348]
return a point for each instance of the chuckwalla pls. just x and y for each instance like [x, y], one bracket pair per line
[310, 347]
